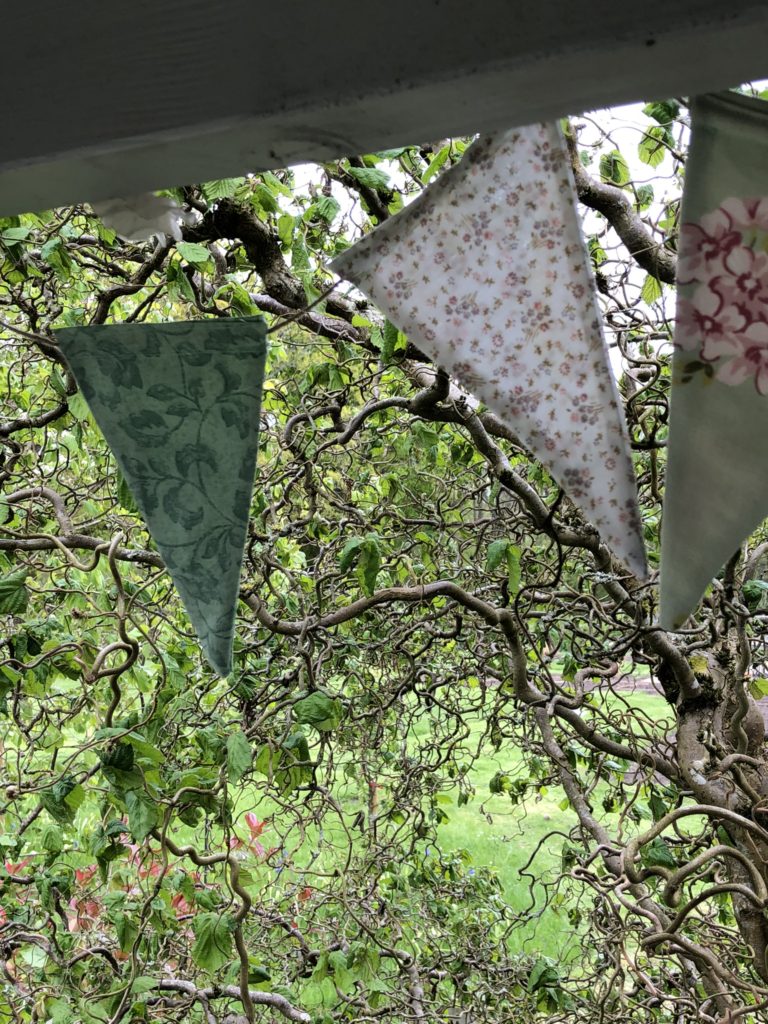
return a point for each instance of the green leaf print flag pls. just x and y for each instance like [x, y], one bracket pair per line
[179, 406]
[717, 475]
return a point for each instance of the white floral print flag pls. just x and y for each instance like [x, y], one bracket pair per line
[717, 487]
[487, 273]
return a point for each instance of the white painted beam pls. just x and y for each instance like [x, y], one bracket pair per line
[102, 98]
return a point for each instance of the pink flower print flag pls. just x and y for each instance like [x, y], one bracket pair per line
[486, 271]
[716, 487]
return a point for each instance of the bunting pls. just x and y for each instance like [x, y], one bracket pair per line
[487, 273]
[179, 406]
[716, 485]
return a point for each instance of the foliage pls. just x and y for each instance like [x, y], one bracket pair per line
[417, 595]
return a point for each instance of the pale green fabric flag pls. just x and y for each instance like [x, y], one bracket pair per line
[179, 406]
[717, 484]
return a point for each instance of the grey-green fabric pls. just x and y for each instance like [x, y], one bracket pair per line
[179, 406]
[717, 470]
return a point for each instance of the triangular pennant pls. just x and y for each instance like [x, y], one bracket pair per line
[486, 271]
[179, 406]
[716, 485]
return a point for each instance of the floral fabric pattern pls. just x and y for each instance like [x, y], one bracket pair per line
[179, 406]
[487, 272]
[722, 314]
[716, 490]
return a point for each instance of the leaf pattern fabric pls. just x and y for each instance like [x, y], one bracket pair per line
[179, 406]
[486, 271]
[716, 486]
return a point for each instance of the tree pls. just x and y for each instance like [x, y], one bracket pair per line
[416, 592]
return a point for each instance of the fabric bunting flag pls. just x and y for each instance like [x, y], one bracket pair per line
[487, 273]
[179, 406]
[717, 485]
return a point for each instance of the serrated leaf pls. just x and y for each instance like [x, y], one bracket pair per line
[54, 800]
[326, 207]
[497, 551]
[15, 234]
[658, 854]
[264, 197]
[543, 973]
[142, 814]
[663, 111]
[319, 710]
[614, 169]
[369, 563]
[143, 984]
[652, 148]
[126, 931]
[193, 252]
[436, 163]
[239, 755]
[371, 177]
[644, 196]
[350, 553]
[223, 188]
[513, 568]
[78, 407]
[212, 948]
[651, 291]
[14, 596]
[758, 688]
[51, 839]
[124, 495]
[658, 806]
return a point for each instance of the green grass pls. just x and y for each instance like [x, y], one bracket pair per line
[498, 834]
[502, 836]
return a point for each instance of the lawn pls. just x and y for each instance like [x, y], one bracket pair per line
[502, 836]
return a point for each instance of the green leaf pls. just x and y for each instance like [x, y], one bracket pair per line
[143, 984]
[265, 198]
[212, 948]
[350, 553]
[543, 973]
[370, 177]
[15, 234]
[239, 755]
[513, 569]
[653, 146]
[119, 755]
[326, 208]
[223, 188]
[658, 806]
[389, 338]
[78, 407]
[436, 163]
[58, 1011]
[193, 252]
[369, 563]
[14, 596]
[651, 291]
[758, 688]
[54, 800]
[318, 710]
[142, 814]
[614, 169]
[124, 495]
[126, 931]
[497, 552]
[51, 839]
[663, 111]
[658, 854]
[644, 196]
